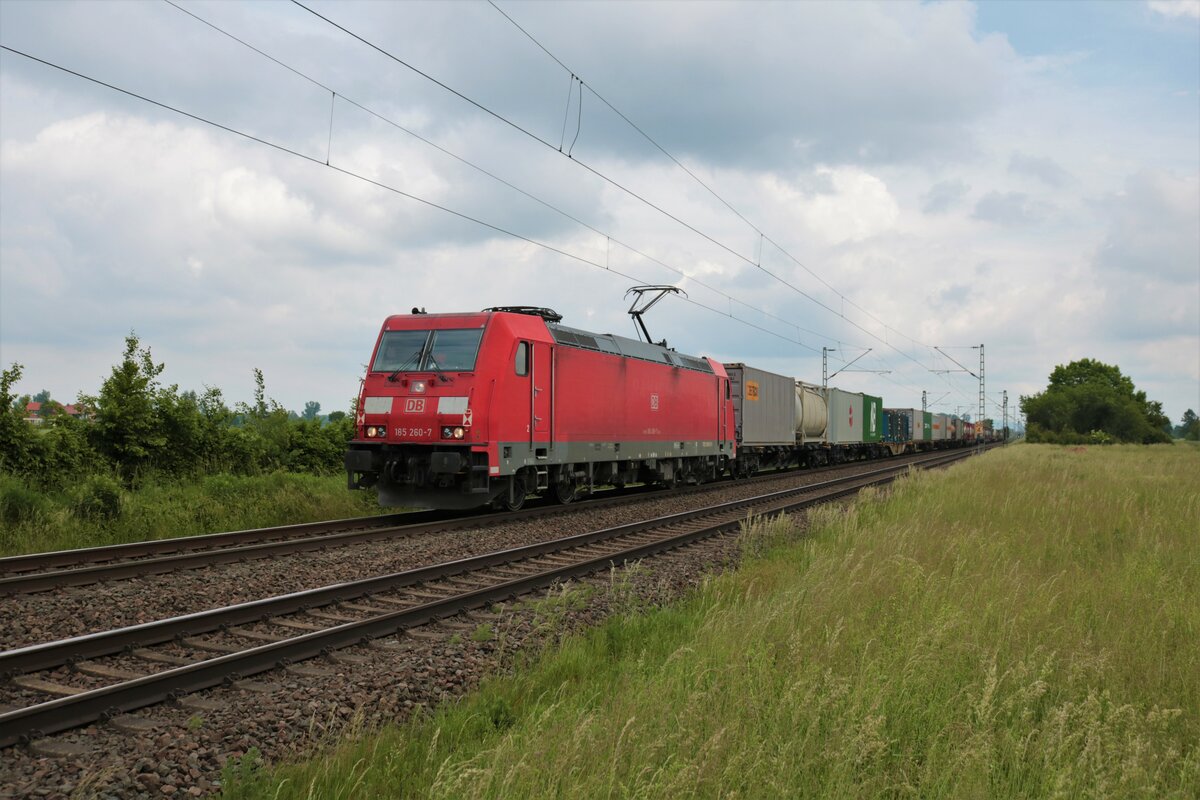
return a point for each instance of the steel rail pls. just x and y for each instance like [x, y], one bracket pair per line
[66, 651]
[68, 712]
[54, 559]
[26, 583]
[202, 551]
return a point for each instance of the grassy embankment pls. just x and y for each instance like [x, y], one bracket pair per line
[35, 522]
[1024, 625]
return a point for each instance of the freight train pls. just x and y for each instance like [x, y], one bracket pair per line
[458, 411]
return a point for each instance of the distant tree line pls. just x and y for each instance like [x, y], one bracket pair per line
[1091, 402]
[1188, 427]
[135, 428]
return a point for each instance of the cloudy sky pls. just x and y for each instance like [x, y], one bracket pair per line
[893, 176]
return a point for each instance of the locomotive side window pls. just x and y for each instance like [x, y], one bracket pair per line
[521, 362]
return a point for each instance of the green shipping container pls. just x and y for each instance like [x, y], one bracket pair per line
[928, 426]
[872, 418]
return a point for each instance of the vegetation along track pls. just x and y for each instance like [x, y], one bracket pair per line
[297, 626]
[40, 572]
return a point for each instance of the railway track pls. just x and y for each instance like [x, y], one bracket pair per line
[55, 570]
[103, 675]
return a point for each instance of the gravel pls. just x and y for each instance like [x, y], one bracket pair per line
[180, 750]
[47, 616]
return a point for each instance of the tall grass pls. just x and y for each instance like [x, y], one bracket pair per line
[99, 511]
[1023, 625]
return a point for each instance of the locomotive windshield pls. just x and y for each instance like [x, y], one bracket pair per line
[421, 351]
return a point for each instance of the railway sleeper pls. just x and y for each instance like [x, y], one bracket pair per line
[505, 572]
[372, 610]
[298, 625]
[211, 647]
[103, 671]
[424, 594]
[246, 633]
[333, 616]
[46, 687]
[161, 658]
[129, 723]
[389, 601]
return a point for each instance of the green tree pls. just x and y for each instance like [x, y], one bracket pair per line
[266, 423]
[49, 407]
[181, 425]
[1189, 426]
[16, 440]
[312, 410]
[128, 427]
[1087, 400]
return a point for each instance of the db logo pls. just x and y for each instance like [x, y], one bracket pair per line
[414, 405]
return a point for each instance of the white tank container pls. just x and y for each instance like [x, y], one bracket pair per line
[812, 413]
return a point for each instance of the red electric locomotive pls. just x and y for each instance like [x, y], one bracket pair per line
[461, 410]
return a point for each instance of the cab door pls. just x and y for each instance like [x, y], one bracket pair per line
[541, 386]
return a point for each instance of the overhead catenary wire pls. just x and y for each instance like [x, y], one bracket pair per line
[334, 97]
[613, 182]
[350, 173]
[594, 171]
[520, 128]
[546, 204]
[722, 200]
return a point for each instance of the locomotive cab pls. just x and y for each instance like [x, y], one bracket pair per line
[414, 427]
[423, 436]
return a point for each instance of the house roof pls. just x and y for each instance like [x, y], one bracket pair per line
[32, 408]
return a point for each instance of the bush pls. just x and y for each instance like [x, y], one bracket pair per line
[98, 499]
[19, 503]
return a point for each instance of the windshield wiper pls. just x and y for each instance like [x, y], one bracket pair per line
[433, 366]
[414, 358]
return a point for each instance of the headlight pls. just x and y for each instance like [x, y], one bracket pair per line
[453, 433]
[376, 431]
[418, 387]
[459, 433]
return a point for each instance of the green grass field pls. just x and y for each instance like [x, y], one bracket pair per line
[1022, 625]
[34, 522]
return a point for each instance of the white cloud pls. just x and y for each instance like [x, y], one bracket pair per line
[1176, 8]
[1012, 209]
[955, 190]
[1046, 170]
[856, 206]
[944, 195]
[1152, 229]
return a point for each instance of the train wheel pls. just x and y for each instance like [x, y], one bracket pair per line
[514, 498]
[565, 492]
